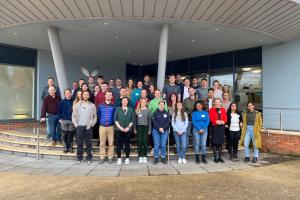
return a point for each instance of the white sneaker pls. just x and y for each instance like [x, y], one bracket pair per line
[127, 161]
[179, 161]
[152, 151]
[184, 161]
[145, 160]
[140, 160]
[119, 162]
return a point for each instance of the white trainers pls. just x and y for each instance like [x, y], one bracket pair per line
[140, 160]
[184, 161]
[179, 161]
[144, 159]
[127, 161]
[152, 151]
[119, 162]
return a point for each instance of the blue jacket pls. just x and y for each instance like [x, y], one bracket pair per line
[161, 119]
[200, 120]
[106, 114]
[65, 109]
[135, 95]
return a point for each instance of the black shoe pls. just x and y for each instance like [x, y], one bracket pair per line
[204, 159]
[216, 160]
[65, 151]
[247, 159]
[197, 159]
[155, 161]
[163, 160]
[254, 160]
[221, 160]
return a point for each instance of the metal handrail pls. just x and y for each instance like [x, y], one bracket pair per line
[36, 130]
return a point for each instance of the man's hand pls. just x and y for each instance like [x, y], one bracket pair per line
[43, 119]
[161, 130]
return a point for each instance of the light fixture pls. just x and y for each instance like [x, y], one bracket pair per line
[117, 37]
[15, 34]
[257, 71]
[193, 40]
[106, 23]
[260, 40]
[216, 29]
[247, 69]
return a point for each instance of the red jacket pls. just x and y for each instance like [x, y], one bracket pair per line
[100, 98]
[213, 115]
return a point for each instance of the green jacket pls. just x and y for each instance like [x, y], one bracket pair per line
[153, 105]
[189, 105]
[124, 120]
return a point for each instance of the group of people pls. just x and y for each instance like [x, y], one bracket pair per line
[113, 113]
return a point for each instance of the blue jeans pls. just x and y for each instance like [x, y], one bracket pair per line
[180, 144]
[48, 127]
[188, 133]
[199, 140]
[160, 142]
[248, 137]
[53, 123]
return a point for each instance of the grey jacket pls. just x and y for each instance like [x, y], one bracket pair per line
[86, 118]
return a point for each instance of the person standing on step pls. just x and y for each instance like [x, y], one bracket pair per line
[160, 131]
[234, 124]
[180, 124]
[143, 127]
[200, 120]
[84, 117]
[252, 120]
[136, 93]
[106, 112]
[124, 119]
[218, 118]
[49, 111]
[65, 119]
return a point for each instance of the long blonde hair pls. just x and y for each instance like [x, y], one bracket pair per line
[139, 107]
[77, 100]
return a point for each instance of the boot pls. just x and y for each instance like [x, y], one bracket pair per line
[220, 154]
[215, 154]
[204, 159]
[230, 153]
[197, 159]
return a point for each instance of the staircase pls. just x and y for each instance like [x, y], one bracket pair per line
[24, 142]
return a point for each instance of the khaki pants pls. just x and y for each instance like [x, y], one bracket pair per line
[106, 133]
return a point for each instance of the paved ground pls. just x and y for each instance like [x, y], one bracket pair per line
[266, 180]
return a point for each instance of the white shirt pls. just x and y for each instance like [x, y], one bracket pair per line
[185, 92]
[235, 122]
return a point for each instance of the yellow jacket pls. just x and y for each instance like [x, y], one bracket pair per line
[256, 129]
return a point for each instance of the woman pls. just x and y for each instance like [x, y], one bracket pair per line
[200, 120]
[153, 105]
[143, 127]
[172, 103]
[96, 90]
[234, 124]
[252, 120]
[180, 124]
[124, 120]
[218, 118]
[130, 87]
[161, 123]
[85, 87]
[78, 98]
[217, 89]
[151, 92]
[227, 89]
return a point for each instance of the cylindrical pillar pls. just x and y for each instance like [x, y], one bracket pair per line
[162, 59]
[57, 54]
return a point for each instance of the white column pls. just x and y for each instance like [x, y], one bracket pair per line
[162, 59]
[57, 53]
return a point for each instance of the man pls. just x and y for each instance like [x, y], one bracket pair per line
[179, 83]
[65, 119]
[46, 89]
[202, 91]
[100, 97]
[116, 89]
[195, 83]
[226, 102]
[143, 96]
[74, 86]
[111, 84]
[185, 90]
[91, 83]
[147, 83]
[189, 105]
[106, 130]
[100, 80]
[170, 89]
[136, 93]
[84, 117]
[123, 93]
[49, 111]
[209, 103]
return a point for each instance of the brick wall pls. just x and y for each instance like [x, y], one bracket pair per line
[17, 125]
[284, 142]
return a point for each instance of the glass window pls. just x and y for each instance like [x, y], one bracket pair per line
[17, 91]
[249, 87]
[225, 77]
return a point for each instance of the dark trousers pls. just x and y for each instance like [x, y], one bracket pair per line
[142, 137]
[68, 139]
[122, 138]
[208, 140]
[219, 148]
[84, 136]
[233, 142]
